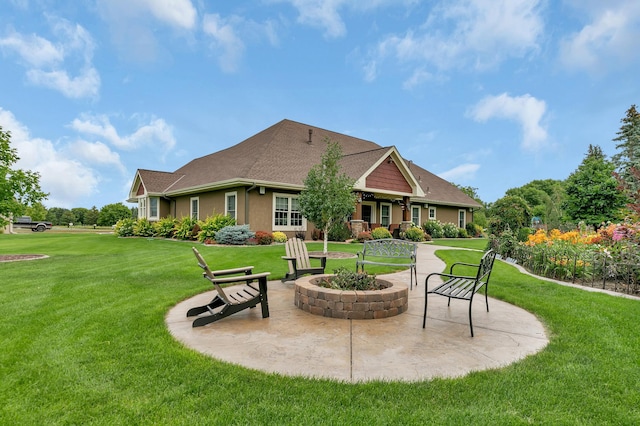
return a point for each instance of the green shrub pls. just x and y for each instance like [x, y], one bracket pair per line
[473, 230]
[450, 230]
[213, 224]
[124, 227]
[345, 279]
[380, 233]
[339, 231]
[462, 233]
[279, 237]
[234, 235]
[523, 234]
[165, 227]
[187, 228]
[414, 234]
[263, 238]
[433, 228]
[143, 228]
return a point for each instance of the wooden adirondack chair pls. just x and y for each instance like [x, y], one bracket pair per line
[299, 263]
[224, 304]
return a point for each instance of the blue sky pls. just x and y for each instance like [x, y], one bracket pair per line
[484, 93]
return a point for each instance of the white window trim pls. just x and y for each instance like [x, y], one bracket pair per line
[419, 207]
[435, 216]
[157, 216]
[390, 213]
[464, 218]
[191, 200]
[142, 207]
[273, 214]
[226, 204]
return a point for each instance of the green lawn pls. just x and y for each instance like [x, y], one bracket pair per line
[471, 243]
[83, 341]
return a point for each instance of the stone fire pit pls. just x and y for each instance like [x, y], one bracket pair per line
[351, 304]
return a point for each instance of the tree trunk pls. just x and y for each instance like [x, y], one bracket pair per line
[326, 239]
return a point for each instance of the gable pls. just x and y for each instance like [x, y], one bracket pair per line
[387, 176]
[140, 190]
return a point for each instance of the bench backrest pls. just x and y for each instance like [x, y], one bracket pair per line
[297, 249]
[208, 274]
[390, 248]
[485, 267]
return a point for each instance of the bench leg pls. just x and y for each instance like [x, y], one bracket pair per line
[470, 320]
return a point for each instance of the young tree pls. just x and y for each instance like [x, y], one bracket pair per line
[91, 217]
[509, 212]
[328, 193]
[18, 188]
[592, 191]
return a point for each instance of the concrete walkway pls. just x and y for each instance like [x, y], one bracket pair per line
[295, 343]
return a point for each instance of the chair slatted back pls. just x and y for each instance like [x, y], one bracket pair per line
[296, 248]
[208, 274]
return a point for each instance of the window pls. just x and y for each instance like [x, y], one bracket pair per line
[286, 213]
[142, 208]
[153, 207]
[462, 218]
[432, 213]
[195, 202]
[231, 204]
[385, 215]
[415, 215]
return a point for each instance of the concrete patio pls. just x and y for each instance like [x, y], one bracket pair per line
[296, 343]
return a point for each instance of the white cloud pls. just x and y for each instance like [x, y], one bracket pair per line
[225, 40]
[48, 63]
[97, 153]
[322, 14]
[177, 13]
[609, 40]
[67, 180]
[153, 133]
[526, 110]
[466, 33]
[461, 173]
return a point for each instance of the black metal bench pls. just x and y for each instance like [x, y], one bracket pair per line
[461, 286]
[387, 252]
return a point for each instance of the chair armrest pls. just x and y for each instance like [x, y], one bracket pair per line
[287, 258]
[317, 256]
[441, 274]
[475, 265]
[244, 269]
[240, 278]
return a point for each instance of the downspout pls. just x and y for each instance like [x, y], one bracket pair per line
[246, 203]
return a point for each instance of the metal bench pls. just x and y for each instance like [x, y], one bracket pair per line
[387, 252]
[462, 286]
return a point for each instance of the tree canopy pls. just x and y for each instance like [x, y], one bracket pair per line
[592, 191]
[19, 189]
[328, 195]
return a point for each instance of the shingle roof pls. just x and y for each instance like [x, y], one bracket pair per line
[283, 154]
[157, 182]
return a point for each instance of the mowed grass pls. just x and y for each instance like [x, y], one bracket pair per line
[83, 341]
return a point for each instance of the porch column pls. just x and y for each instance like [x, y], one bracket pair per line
[357, 214]
[406, 212]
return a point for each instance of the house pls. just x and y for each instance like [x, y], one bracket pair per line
[258, 181]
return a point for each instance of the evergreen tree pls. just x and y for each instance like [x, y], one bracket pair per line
[327, 197]
[592, 191]
[627, 161]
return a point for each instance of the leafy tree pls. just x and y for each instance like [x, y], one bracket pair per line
[509, 212]
[91, 217]
[18, 188]
[112, 213]
[80, 215]
[37, 211]
[328, 193]
[592, 191]
[544, 198]
[55, 215]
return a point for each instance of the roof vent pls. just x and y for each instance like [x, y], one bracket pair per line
[310, 133]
